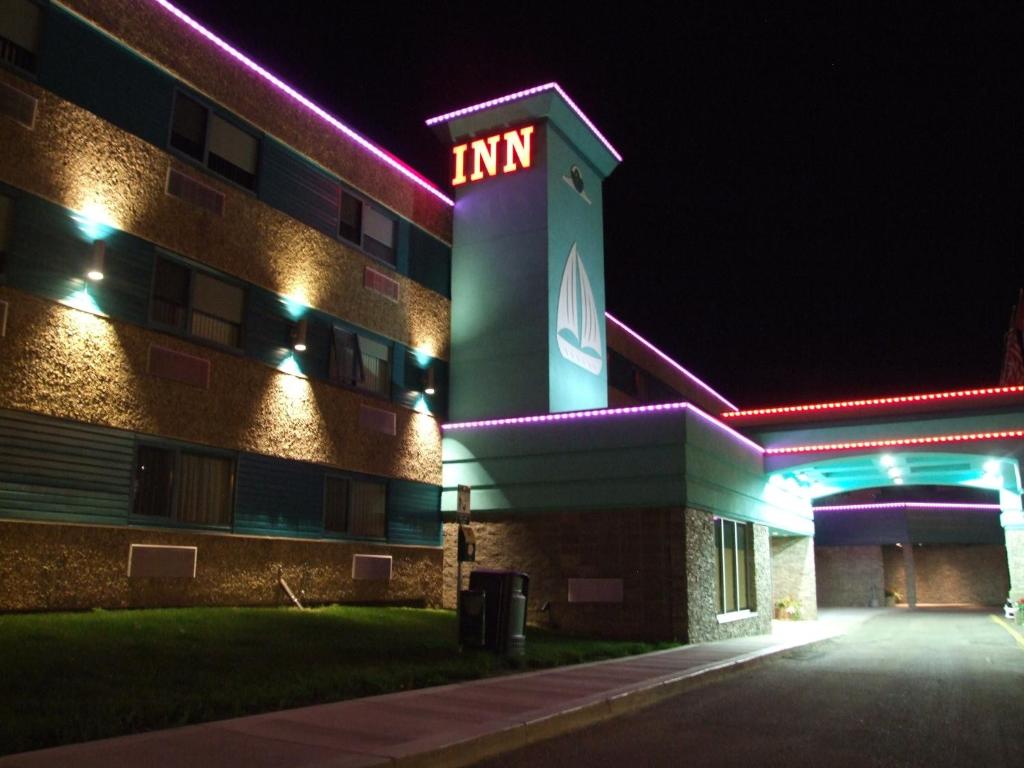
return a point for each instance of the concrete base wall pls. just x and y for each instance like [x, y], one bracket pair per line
[50, 566]
[793, 573]
[849, 576]
[951, 573]
[701, 583]
[642, 547]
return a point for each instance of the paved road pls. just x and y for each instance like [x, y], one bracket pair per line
[928, 688]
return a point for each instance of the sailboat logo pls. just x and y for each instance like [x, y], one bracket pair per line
[579, 327]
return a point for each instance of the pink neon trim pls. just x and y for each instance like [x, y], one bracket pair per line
[904, 505]
[600, 413]
[961, 438]
[669, 360]
[366, 144]
[877, 401]
[522, 95]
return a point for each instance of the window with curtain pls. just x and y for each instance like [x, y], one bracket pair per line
[361, 362]
[197, 303]
[734, 547]
[220, 145]
[355, 507]
[19, 33]
[184, 486]
[371, 229]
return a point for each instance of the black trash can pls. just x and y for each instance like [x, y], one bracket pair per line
[505, 595]
[472, 618]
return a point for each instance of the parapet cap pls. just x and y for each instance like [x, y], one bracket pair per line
[547, 101]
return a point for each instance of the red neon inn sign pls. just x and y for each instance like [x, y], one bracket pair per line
[515, 148]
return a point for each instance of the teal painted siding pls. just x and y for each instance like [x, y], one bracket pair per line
[274, 497]
[49, 252]
[56, 470]
[430, 261]
[414, 513]
[294, 185]
[86, 67]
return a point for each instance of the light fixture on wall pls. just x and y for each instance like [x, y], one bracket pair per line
[428, 386]
[298, 335]
[98, 260]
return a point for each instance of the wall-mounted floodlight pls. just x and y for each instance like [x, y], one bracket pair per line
[98, 260]
[298, 335]
[429, 388]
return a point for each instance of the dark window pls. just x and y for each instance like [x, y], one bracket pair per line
[222, 146]
[183, 486]
[364, 225]
[357, 361]
[6, 217]
[355, 507]
[198, 303]
[19, 33]
[734, 546]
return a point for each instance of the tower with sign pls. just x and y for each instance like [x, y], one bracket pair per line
[528, 330]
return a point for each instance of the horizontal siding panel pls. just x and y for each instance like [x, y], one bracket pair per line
[51, 469]
[297, 187]
[414, 513]
[430, 261]
[278, 497]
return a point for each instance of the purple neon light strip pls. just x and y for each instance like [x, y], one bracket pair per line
[522, 95]
[669, 360]
[366, 144]
[905, 505]
[603, 413]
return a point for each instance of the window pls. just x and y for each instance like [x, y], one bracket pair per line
[19, 33]
[197, 303]
[357, 361]
[355, 507]
[222, 146]
[367, 227]
[734, 543]
[183, 486]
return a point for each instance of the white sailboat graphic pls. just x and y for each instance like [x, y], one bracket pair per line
[578, 318]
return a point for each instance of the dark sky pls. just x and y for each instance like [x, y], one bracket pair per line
[812, 205]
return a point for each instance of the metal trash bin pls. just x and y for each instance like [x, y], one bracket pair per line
[505, 596]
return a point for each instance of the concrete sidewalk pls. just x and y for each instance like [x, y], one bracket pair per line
[445, 726]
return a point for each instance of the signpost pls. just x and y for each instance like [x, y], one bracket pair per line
[461, 518]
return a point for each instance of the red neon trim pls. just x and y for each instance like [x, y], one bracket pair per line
[876, 401]
[961, 438]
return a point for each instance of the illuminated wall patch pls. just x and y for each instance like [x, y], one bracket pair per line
[501, 153]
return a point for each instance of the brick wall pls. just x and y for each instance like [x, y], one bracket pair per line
[793, 572]
[951, 573]
[644, 548]
[37, 561]
[849, 576]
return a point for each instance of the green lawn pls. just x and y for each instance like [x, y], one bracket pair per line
[76, 676]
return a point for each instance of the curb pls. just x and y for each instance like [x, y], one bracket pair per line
[603, 707]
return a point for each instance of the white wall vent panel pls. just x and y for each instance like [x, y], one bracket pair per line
[186, 188]
[595, 590]
[378, 420]
[371, 567]
[17, 105]
[160, 561]
[380, 283]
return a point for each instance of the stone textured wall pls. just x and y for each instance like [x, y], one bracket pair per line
[849, 576]
[701, 581]
[76, 160]
[643, 547]
[37, 559]
[793, 572]
[1015, 560]
[73, 365]
[156, 34]
[951, 573]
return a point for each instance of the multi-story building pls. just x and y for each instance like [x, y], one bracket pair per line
[223, 328]
[246, 355]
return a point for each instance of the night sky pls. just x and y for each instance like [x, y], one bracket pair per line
[811, 206]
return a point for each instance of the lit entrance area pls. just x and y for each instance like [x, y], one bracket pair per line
[909, 528]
